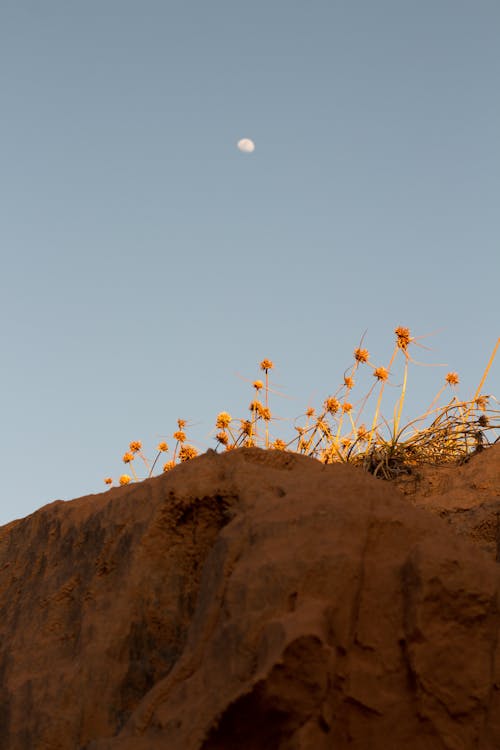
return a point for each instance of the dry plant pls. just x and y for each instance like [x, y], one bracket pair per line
[338, 431]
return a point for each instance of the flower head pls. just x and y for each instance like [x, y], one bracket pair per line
[348, 382]
[452, 378]
[108, 480]
[279, 445]
[381, 373]
[310, 412]
[361, 355]
[181, 423]
[246, 426]
[403, 337]
[331, 405]
[135, 446]
[346, 407]
[258, 385]
[168, 466]
[222, 437]
[187, 452]
[482, 402]
[128, 457]
[362, 432]
[266, 365]
[162, 447]
[223, 420]
[124, 479]
[180, 436]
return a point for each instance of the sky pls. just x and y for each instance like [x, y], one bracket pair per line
[148, 266]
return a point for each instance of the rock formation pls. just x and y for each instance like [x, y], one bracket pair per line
[253, 599]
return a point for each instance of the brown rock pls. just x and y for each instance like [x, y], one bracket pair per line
[250, 600]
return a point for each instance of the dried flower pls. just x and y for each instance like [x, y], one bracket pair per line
[279, 445]
[346, 407]
[483, 420]
[124, 479]
[181, 423]
[168, 466]
[331, 405]
[187, 452]
[135, 446]
[361, 355]
[403, 337]
[348, 382]
[246, 426]
[452, 378]
[345, 442]
[162, 447]
[128, 457]
[266, 364]
[482, 402]
[362, 432]
[258, 385]
[108, 480]
[222, 437]
[223, 420]
[381, 373]
[255, 406]
[310, 412]
[180, 436]
[265, 413]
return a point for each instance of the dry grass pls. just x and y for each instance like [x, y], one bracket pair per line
[338, 432]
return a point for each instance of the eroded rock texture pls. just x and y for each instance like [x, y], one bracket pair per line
[249, 600]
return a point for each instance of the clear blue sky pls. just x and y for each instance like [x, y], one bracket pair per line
[147, 266]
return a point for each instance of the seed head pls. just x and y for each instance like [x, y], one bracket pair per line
[381, 373]
[162, 447]
[266, 365]
[279, 445]
[222, 437]
[135, 446]
[452, 378]
[187, 452]
[246, 426]
[124, 479]
[331, 405]
[361, 355]
[128, 457]
[403, 337]
[223, 420]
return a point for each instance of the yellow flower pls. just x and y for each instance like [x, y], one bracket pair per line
[345, 442]
[403, 337]
[279, 445]
[222, 437]
[348, 382]
[246, 426]
[135, 446]
[124, 479]
[332, 405]
[169, 465]
[180, 436]
[181, 423]
[310, 412]
[258, 385]
[162, 447]
[452, 378]
[362, 432]
[381, 373]
[265, 413]
[482, 402]
[187, 452]
[255, 406]
[266, 364]
[223, 420]
[346, 407]
[128, 457]
[108, 480]
[361, 355]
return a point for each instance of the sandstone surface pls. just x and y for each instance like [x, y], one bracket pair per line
[252, 600]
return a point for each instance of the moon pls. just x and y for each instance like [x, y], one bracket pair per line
[246, 145]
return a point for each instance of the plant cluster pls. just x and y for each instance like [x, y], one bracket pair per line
[340, 430]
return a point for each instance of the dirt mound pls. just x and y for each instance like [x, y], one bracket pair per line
[250, 600]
